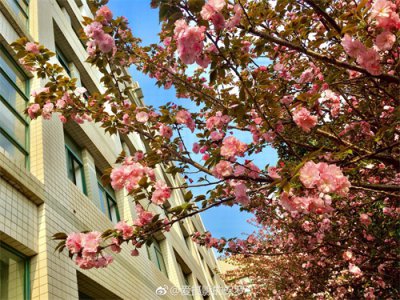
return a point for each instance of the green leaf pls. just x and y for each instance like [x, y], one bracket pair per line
[196, 5]
[213, 76]
[188, 196]
[60, 236]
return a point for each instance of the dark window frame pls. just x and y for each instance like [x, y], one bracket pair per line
[63, 60]
[71, 158]
[156, 249]
[110, 200]
[27, 265]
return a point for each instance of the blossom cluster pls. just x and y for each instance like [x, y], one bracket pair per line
[326, 178]
[129, 174]
[104, 41]
[86, 246]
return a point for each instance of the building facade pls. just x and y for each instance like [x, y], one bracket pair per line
[49, 182]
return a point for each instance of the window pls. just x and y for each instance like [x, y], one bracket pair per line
[108, 205]
[211, 274]
[185, 271]
[13, 99]
[155, 255]
[63, 61]
[14, 274]
[86, 94]
[203, 291]
[88, 289]
[185, 234]
[74, 163]
[21, 9]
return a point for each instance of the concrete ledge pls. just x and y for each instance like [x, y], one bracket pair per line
[22, 180]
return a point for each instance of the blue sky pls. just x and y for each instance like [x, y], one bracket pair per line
[222, 221]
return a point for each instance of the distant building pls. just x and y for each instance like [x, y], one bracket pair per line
[49, 182]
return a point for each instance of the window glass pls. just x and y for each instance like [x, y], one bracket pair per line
[113, 209]
[20, 8]
[12, 72]
[13, 101]
[103, 199]
[78, 170]
[13, 273]
[74, 163]
[108, 205]
[159, 257]
[11, 95]
[63, 61]
[12, 125]
[11, 149]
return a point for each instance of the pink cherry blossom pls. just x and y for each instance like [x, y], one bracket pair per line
[287, 202]
[129, 174]
[142, 117]
[33, 109]
[273, 172]
[309, 174]
[218, 5]
[304, 119]
[232, 147]
[91, 48]
[347, 255]
[91, 242]
[211, 8]
[125, 229]
[307, 76]
[74, 242]
[165, 131]
[384, 13]
[161, 193]
[327, 178]
[62, 118]
[184, 117]
[189, 40]
[356, 271]
[115, 245]
[106, 43]
[369, 59]
[235, 20]
[60, 104]
[365, 219]
[223, 169]
[385, 40]
[105, 12]
[40, 91]
[196, 148]
[47, 110]
[352, 47]
[144, 217]
[32, 47]
[94, 30]
[217, 135]
[241, 196]
[203, 60]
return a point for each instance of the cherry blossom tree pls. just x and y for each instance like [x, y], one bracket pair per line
[316, 80]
